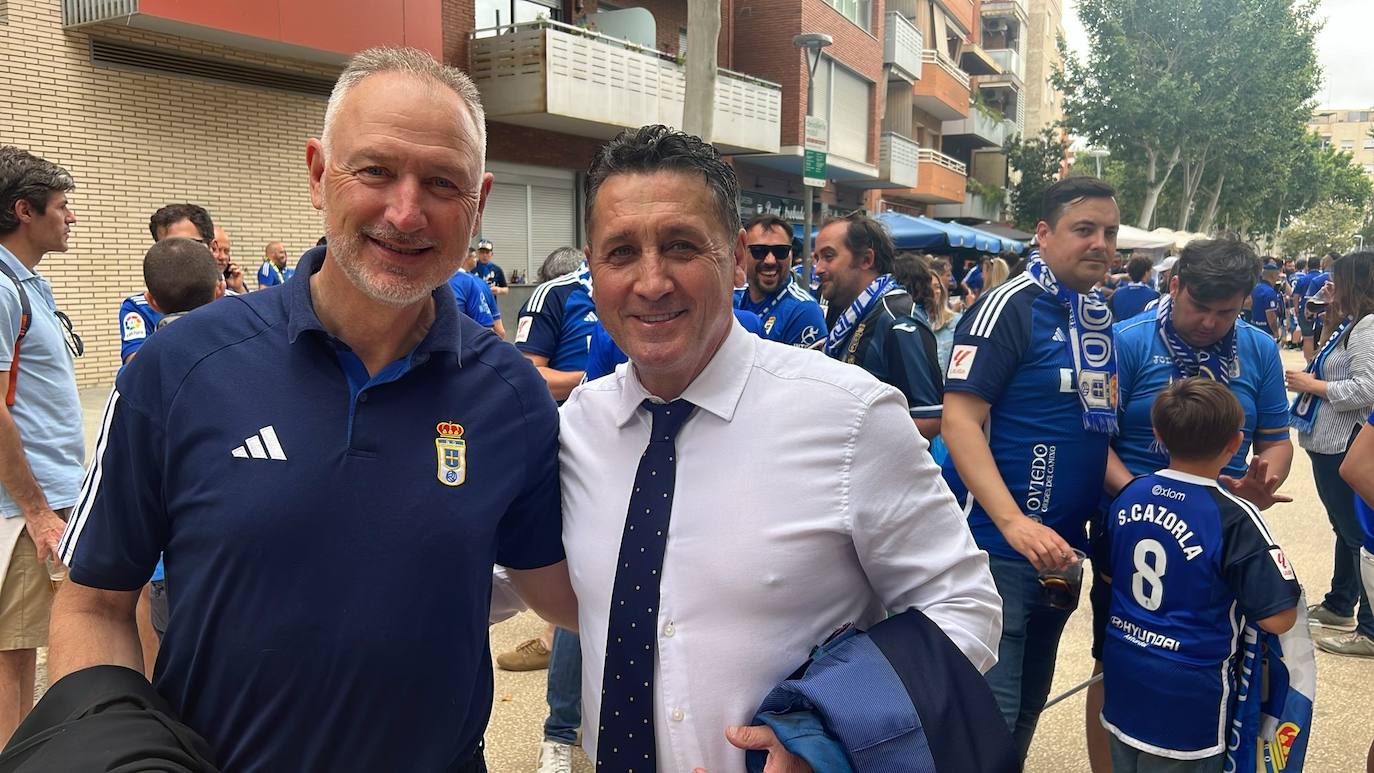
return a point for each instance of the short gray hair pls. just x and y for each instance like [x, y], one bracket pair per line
[658, 148]
[24, 176]
[413, 61]
[563, 260]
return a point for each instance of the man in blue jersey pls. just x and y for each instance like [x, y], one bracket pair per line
[397, 450]
[468, 292]
[487, 271]
[1132, 299]
[1187, 563]
[1029, 407]
[274, 270]
[1297, 285]
[873, 321]
[1318, 273]
[1266, 304]
[790, 315]
[1195, 331]
[137, 317]
[555, 329]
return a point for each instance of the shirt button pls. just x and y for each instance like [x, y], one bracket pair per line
[677, 715]
[362, 397]
[669, 630]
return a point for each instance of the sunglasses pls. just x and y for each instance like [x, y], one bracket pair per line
[74, 344]
[780, 252]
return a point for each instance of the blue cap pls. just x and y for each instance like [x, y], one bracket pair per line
[1271, 267]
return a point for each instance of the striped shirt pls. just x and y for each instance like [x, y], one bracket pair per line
[1349, 375]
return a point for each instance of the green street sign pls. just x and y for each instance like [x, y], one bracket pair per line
[813, 168]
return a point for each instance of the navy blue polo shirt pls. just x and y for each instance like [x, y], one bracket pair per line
[334, 614]
[1011, 351]
[557, 322]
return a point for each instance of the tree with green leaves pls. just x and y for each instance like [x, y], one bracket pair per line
[1328, 227]
[1037, 161]
[1192, 92]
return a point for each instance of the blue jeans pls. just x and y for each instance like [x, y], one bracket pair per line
[1025, 656]
[565, 688]
[1346, 588]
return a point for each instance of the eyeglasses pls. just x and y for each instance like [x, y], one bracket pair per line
[74, 344]
[780, 251]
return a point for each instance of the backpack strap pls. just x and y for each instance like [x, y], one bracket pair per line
[25, 318]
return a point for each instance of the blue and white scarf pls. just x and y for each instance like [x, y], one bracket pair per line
[1302, 415]
[584, 276]
[1090, 344]
[769, 303]
[1216, 362]
[857, 310]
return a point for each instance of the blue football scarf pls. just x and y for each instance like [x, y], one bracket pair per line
[1090, 344]
[1302, 415]
[1276, 685]
[1216, 362]
[857, 311]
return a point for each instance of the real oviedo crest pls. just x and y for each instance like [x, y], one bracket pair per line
[451, 450]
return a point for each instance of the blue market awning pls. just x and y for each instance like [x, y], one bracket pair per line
[914, 233]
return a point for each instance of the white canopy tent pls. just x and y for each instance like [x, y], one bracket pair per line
[1132, 238]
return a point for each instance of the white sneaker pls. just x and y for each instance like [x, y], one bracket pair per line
[555, 757]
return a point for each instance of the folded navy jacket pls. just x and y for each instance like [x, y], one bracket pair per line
[104, 718]
[899, 698]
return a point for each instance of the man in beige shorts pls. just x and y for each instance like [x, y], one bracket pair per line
[42, 446]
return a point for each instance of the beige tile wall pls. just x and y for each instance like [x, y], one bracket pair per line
[135, 141]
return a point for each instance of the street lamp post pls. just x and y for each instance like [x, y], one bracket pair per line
[811, 43]
[1097, 154]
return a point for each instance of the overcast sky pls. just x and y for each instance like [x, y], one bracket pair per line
[1342, 49]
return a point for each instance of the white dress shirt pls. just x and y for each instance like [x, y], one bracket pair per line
[805, 499]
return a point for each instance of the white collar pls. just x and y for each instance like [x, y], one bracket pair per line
[717, 389]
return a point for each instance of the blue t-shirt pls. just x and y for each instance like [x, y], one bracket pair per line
[603, 354]
[1299, 282]
[269, 275]
[973, 280]
[471, 295]
[790, 315]
[289, 597]
[1187, 561]
[1264, 299]
[1143, 369]
[490, 273]
[1130, 300]
[137, 321]
[1011, 350]
[1315, 283]
[557, 321]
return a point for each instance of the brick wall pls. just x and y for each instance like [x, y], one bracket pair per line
[856, 49]
[671, 16]
[135, 141]
[523, 145]
[459, 19]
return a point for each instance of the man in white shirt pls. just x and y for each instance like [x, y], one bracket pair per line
[727, 569]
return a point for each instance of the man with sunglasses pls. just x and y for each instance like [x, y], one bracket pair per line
[789, 314]
[42, 446]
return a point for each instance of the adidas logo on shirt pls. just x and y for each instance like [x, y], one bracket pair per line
[263, 445]
[1059, 334]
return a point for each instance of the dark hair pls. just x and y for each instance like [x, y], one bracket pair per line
[1063, 194]
[26, 177]
[1215, 269]
[1301, 265]
[913, 272]
[769, 223]
[172, 214]
[1353, 276]
[1138, 267]
[658, 148]
[1196, 418]
[180, 274]
[864, 233]
[563, 260]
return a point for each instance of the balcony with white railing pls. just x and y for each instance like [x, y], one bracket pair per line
[902, 46]
[943, 90]
[1010, 60]
[940, 179]
[898, 158]
[553, 76]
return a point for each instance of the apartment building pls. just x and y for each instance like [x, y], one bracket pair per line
[1348, 130]
[1044, 104]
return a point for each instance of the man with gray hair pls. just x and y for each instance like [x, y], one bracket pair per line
[397, 450]
[42, 446]
[701, 587]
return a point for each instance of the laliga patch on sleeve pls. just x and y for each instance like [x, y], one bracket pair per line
[961, 361]
[133, 326]
[522, 331]
[1281, 561]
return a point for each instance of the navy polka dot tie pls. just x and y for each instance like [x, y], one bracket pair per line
[625, 741]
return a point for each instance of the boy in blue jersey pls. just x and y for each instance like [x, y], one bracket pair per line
[1188, 563]
[138, 317]
[1132, 299]
[470, 293]
[1029, 406]
[790, 314]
